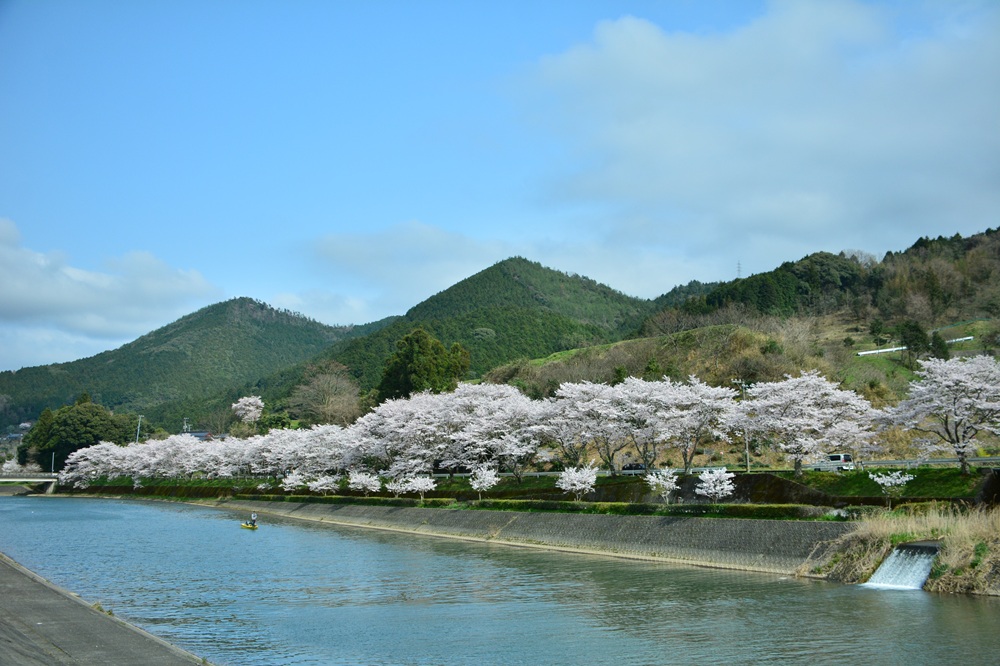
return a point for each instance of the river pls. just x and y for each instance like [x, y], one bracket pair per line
[298, 593]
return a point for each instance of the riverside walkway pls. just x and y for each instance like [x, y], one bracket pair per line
[44, 625]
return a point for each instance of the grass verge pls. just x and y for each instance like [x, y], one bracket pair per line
[927, 482]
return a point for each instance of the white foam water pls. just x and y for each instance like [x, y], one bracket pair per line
[906, 568]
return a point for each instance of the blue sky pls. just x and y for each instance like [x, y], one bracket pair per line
[348, 159]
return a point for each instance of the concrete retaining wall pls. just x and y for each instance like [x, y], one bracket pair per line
[777, 546]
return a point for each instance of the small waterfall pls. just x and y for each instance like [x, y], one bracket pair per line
[906, 568]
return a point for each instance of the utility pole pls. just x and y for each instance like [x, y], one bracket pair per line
[137, 429]
[746, 437]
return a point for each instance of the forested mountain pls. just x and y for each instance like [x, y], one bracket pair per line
[815, 313]
[934, 282]
[513, 309]
[201, 354]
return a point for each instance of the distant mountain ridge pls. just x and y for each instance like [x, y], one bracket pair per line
[518, 282]
[200, 354]
[935, 281]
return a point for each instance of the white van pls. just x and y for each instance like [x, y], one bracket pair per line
[835, 462]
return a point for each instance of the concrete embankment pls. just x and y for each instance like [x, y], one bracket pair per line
[44, 625]
[775, 546]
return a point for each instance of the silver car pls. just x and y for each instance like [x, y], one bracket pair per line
[835, 462]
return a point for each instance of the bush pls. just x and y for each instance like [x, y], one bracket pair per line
[431, 502]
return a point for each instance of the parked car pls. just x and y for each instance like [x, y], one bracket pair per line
[835, 462]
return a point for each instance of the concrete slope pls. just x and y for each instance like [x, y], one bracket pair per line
[44, 625]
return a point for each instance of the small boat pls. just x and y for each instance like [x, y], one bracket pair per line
[248, 526]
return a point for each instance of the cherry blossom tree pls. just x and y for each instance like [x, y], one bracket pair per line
[420, 485]
[663, 482]
[13, 467]
[363, 481]
[483, 477]
[684, 415]
[397, 486]
[953, 401]
[806, 416]
[325, 484]
[293, 481]
[578, 480]
[594, 409]
[399, 436]
[84, 466]
[716, 484]
[378, 435]
[248, 409]
[892, 484]
[453, 415]
[502, 428]
[641, 417]
[559, 428]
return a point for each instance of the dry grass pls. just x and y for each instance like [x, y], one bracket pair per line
[968, 562]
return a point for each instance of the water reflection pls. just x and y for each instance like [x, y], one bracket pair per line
[298, 593]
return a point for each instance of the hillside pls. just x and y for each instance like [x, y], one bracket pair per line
[934, 282]
[815, 313]
[514, 309]
[198, 355]
[761, 349]
[519, 283]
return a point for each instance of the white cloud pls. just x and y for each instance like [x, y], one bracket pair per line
[83, 310]
[27, 346]
[819, 126]
[392, 270]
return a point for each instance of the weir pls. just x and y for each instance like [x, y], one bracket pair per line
[906, 568]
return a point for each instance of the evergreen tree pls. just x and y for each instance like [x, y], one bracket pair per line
[653, 372]
[54, 437]
[939, 348]
[421, 362]
[876, 328]
[913, 336]
[36, 437]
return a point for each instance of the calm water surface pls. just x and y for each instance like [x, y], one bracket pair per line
[295, 593]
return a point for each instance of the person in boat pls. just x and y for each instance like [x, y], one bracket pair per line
[253, 519]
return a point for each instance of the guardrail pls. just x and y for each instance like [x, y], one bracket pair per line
[895, 349]
[920, 462]
[28, 477]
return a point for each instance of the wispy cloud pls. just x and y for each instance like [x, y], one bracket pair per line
[817, 126]
[400, 266]
[46, 292]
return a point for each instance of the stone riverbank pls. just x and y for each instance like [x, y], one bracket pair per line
[773, 546]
